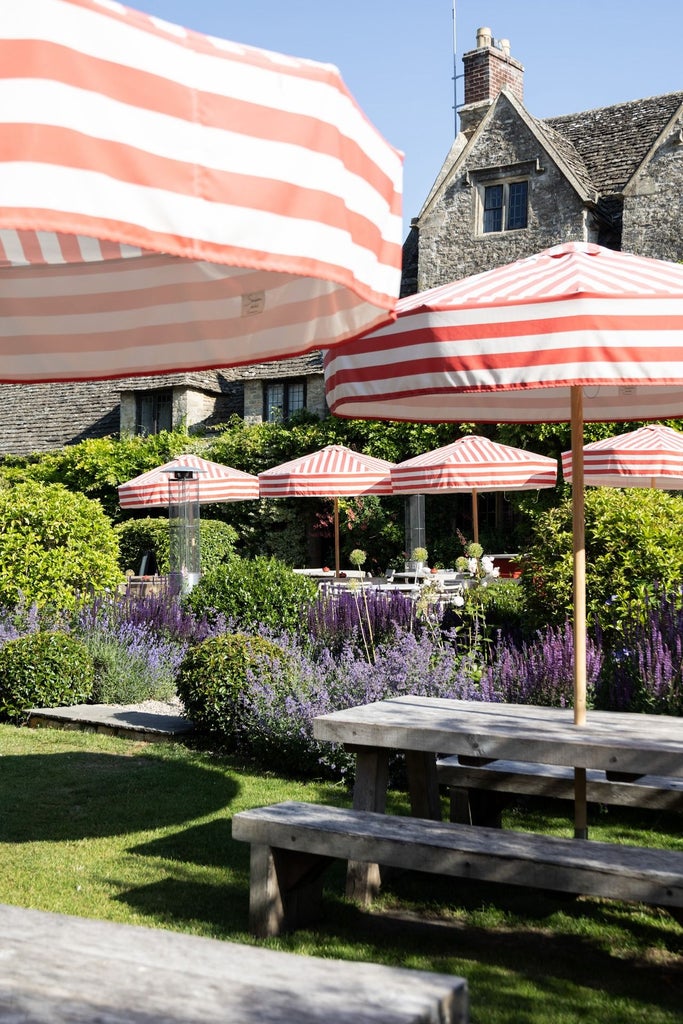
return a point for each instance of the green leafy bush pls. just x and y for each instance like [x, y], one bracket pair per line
[634, 543]
[56, 547]
[152, 533]
[215, 674]
[254, 592]
[43, 670]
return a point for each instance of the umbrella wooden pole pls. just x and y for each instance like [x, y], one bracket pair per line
[475, 516]
[337, 571]
[579, 535]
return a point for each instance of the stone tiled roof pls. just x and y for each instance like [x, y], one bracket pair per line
[212, 381]
[297, 366]
[571, 158]
[43, 417]
[613, 141]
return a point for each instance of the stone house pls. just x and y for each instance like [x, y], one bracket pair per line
[513, 184]
[43, 417]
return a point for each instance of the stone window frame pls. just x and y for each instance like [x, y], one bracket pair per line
[288, 385]
[481, 178]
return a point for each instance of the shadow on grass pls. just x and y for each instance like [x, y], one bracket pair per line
[206, 845]
[556, 964]
[61, 796]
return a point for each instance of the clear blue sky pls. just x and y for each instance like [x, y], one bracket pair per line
[397, 56]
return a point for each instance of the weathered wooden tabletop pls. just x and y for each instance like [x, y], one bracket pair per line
[616, 741]
[56, 969]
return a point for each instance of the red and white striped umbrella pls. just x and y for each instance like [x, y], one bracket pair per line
[333, 472]
[576, 332]
[509, 345]
[158, 488]
[173, 201]
[474, 464]
[651, 456]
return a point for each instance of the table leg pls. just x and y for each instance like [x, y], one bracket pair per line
[423, 785]
[369, 794]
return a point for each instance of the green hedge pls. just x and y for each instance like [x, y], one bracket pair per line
[136, 536]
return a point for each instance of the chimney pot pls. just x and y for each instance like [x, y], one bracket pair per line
[504, 45]
[484, 37]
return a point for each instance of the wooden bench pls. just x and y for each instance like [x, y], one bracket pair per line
[69, 970]
[292, 843]
[479, 788]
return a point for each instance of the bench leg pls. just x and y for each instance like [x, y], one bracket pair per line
[285, 890]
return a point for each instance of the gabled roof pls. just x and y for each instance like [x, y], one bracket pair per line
[598, 150]
[559, 149]
[613, 141]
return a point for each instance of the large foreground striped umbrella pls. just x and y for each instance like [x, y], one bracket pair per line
[161, 487]
[651, 456]
[574, 332]
[474, 464]
[172, 201]
[333, 472]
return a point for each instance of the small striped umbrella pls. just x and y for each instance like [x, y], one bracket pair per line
[651, 456]
[576, 332]
[176, 202]
[161, 488]
[474, 464]
[333, 472]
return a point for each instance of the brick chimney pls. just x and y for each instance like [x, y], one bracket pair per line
[488, 69]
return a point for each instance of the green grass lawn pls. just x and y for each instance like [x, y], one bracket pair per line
[140, 833]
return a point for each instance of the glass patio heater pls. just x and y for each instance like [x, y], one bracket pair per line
[183, 521]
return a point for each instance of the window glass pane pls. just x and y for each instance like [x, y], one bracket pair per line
[493, 208]
[164, 411]
[517, 205]
[275, 401]
[295, 397]
[154, 412]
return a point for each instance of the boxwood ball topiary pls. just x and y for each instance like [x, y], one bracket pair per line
[214, 674]
[43, 670]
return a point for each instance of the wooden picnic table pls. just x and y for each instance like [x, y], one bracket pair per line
[632, 745]
[58, 969]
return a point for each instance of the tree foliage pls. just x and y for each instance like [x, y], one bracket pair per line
[56, 547]
[634, 543]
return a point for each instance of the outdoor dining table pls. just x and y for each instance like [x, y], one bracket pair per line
[424, 727]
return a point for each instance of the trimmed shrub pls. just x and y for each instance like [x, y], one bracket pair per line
[253, 592]
[56, 547]
[215, 675]
[43, 670]
[634, 543]
[136, 536]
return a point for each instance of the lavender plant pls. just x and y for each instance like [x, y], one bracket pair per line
[644, 662]
[541, 671]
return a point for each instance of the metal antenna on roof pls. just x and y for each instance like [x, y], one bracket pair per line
[455, 76]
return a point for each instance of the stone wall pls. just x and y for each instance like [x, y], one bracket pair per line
[451, 248]
[653, 204]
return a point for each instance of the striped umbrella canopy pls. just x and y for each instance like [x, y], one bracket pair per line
[651, 456]
[333, 472]
[576, 332]
[174, 202]
[474, 464]
[161, 487]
